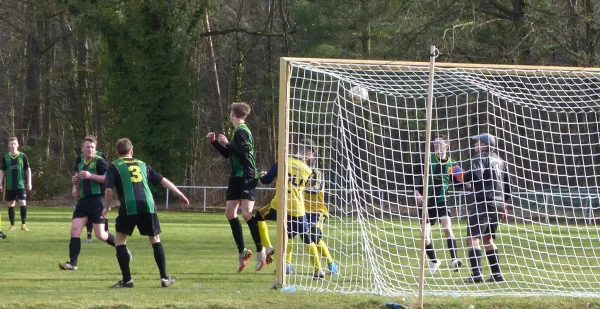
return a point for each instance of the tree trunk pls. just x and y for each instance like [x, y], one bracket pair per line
[212, 67]
[366, 31]
[31, 106]
[591, 33]
[81, 51]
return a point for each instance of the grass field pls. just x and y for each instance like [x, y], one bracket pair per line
[200, 253]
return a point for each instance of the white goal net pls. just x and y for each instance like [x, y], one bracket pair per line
[367, 120]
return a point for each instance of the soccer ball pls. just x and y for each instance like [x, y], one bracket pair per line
[357, 94]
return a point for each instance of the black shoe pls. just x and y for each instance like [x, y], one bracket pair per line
[318, 275]
[2, 235]
[121, 284]
[474, 279]
[496, 278]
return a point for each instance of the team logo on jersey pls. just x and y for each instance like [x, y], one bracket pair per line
[92, 165]
[20, 161]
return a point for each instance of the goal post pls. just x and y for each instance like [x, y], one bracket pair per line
[367, 120]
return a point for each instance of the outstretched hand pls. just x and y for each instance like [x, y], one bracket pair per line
[211, 136]
[183, 200]
[223, 140]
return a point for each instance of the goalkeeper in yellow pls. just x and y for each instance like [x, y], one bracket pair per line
[317, 212]
[298, 176]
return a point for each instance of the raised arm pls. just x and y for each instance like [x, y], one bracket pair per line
[169, 185]
[212, 138]
[241, 144]
[222, 150]
[270, 175]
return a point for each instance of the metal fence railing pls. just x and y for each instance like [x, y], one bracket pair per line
[542, 205]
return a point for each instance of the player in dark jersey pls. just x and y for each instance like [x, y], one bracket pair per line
[130, 178]
[15, 167]
[89, 225]
[241, 191]
[491, 185]
[444, 174]
[91, 176]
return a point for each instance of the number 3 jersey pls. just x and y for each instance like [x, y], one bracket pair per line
[130, 178]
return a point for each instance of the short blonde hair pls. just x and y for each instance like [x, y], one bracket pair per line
[10, 139]
[241, 109]
[123, 146]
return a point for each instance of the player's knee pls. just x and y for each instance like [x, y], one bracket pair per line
[154, 239]
[316, 234]
[247, 215]
[448, 232]
[100, 235]
[472, 242]
[306, 238]
[76, 230]
[230, 215]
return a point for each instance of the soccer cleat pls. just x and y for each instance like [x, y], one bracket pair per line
[433, 267]
[24, 227]
[243, 259]
[261, 259]
[66, 266]
[270, 253]
[165, 282]
[318, 275]
[288, 269]
[87, 240]
[474, 279]
[2, 235]
[121, 284]
[456, 263]
[12, 228]
[333, 268]
[496, 278]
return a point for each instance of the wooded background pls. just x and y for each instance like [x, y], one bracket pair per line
[163, 73]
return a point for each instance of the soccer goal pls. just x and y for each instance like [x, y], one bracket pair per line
[368, 122]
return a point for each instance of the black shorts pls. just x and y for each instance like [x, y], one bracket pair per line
[241, 189]
[19, 194]
[146, 223]
[483, 219]
[315, 222]
[90, 207]
[295, 225]
[435, 212]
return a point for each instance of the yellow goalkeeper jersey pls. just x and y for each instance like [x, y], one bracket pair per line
[298, 175]
[314, 195]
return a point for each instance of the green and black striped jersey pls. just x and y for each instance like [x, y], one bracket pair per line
[14, 168]
[443, 174]
[131, 178]
[96, 166]
[241, 152]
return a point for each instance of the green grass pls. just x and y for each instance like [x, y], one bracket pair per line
[201, 254]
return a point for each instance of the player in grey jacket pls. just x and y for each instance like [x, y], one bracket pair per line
[491, 184]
